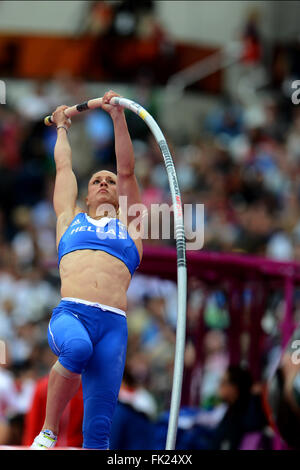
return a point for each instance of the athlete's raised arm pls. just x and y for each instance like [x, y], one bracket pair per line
[65, 190]
[127, 183]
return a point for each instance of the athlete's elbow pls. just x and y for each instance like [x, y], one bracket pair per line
[62, 154]
[62, 164]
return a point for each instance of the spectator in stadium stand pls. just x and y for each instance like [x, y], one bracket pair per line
[251, 39]
[282, 398]
[244, 413]
[8, 396]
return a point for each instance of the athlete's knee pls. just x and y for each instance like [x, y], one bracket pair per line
[61, 370]
[80, 348]
[75, 354]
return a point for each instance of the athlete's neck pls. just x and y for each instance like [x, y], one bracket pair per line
[110, 214]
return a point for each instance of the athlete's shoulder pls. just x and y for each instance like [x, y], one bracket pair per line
[66, 217]
[79, 210]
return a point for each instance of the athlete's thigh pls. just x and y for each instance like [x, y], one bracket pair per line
[105, 368]
[64, 327]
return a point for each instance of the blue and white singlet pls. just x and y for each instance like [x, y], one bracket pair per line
[106, 234]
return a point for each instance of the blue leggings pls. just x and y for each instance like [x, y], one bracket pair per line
[92, 342]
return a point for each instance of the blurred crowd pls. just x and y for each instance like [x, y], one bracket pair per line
[242, 165]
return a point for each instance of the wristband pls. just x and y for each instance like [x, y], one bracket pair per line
[62, 127]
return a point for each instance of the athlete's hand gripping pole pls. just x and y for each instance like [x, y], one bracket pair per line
[78, 108]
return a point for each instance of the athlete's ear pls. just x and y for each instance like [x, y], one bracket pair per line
[87, 201]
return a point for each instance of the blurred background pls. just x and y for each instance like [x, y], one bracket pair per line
[218, 78]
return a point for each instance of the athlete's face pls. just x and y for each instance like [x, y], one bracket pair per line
[102, 189]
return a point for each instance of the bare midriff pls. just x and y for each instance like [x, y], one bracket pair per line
[95, 276]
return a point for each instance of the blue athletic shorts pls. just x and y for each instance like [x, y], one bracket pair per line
[91, 339]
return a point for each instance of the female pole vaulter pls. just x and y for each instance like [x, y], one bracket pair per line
[98, 253]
